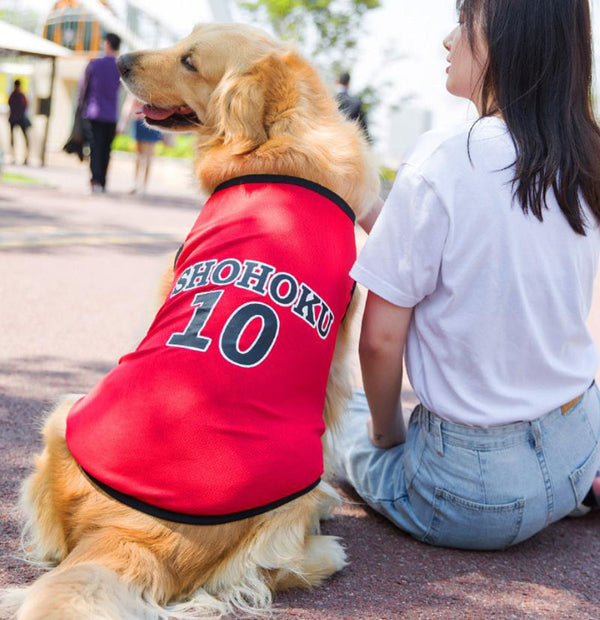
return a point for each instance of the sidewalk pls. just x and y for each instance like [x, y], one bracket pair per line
[78, 278]
[64, 196]
[168, 176]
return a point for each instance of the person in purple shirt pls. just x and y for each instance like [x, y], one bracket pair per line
[98, 98]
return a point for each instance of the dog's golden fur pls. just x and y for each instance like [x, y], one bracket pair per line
[259, 108]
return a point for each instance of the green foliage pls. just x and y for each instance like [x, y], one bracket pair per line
[325, 31]
[123, 142]
[182, 146]
[387, 174]
[370, 98]
[321, 28]
[19, 179]
[28, 19]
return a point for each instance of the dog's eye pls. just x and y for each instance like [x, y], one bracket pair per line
[186, 61]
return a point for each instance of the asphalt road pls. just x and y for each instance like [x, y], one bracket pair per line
[78, 282]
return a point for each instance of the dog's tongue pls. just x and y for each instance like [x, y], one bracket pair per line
[159, 114]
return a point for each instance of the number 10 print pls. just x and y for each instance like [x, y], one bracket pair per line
[229, 342]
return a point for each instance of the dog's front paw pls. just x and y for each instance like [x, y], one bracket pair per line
[324, 556]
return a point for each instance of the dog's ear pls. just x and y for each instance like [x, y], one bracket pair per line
[239, 102]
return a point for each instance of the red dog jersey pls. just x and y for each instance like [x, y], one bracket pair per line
[217, 415]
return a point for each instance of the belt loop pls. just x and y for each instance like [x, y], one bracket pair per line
[437, 435]
[537, 434]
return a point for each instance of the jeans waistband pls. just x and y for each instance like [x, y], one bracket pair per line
[492, 437]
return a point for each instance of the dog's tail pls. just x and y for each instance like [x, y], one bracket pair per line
[86, 590]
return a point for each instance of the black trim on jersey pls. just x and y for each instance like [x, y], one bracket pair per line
[180, 517]
[177, 256]
[351, 296]
[290, 180]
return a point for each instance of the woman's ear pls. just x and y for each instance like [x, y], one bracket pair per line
[238, 106]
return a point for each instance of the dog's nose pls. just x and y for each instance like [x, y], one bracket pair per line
[125, 64]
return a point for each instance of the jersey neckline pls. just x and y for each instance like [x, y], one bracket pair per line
[289, 180]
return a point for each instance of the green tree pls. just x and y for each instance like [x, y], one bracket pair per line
[28, 19]
[327, 31]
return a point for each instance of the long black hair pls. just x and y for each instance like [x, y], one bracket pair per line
[539, 78]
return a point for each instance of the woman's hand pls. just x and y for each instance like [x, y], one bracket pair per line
[384, 438]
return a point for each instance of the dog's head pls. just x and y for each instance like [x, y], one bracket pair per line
[212, 81]
[256, 106]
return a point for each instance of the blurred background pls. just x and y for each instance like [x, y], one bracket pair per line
[392, 49]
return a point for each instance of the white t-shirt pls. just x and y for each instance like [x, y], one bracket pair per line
[500, 299]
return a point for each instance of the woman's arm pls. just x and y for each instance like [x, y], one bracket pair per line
[367, 221]
[382, 340]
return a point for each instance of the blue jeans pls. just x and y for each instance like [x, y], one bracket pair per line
[474, 488]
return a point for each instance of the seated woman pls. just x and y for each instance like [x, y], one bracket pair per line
[480, 270]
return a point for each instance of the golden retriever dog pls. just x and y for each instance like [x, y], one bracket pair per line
[257, 108]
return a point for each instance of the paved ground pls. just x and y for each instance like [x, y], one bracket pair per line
[78, 278]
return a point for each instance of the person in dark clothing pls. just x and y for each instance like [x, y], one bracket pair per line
[17, 103]
[351, 105]
[99, 101]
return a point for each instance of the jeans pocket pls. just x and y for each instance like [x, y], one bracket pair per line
[582, 477]
[464, 524]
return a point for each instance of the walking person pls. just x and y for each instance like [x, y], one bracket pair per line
[480, 270]
[99, 100]
[145, 141]
[17, 104]
[351, 105]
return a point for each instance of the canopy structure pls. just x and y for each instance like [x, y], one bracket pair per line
[19, 42]
[14, 40]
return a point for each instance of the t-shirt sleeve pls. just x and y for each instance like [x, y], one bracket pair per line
[402, 257]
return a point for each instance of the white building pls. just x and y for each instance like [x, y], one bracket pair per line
[79, 25]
